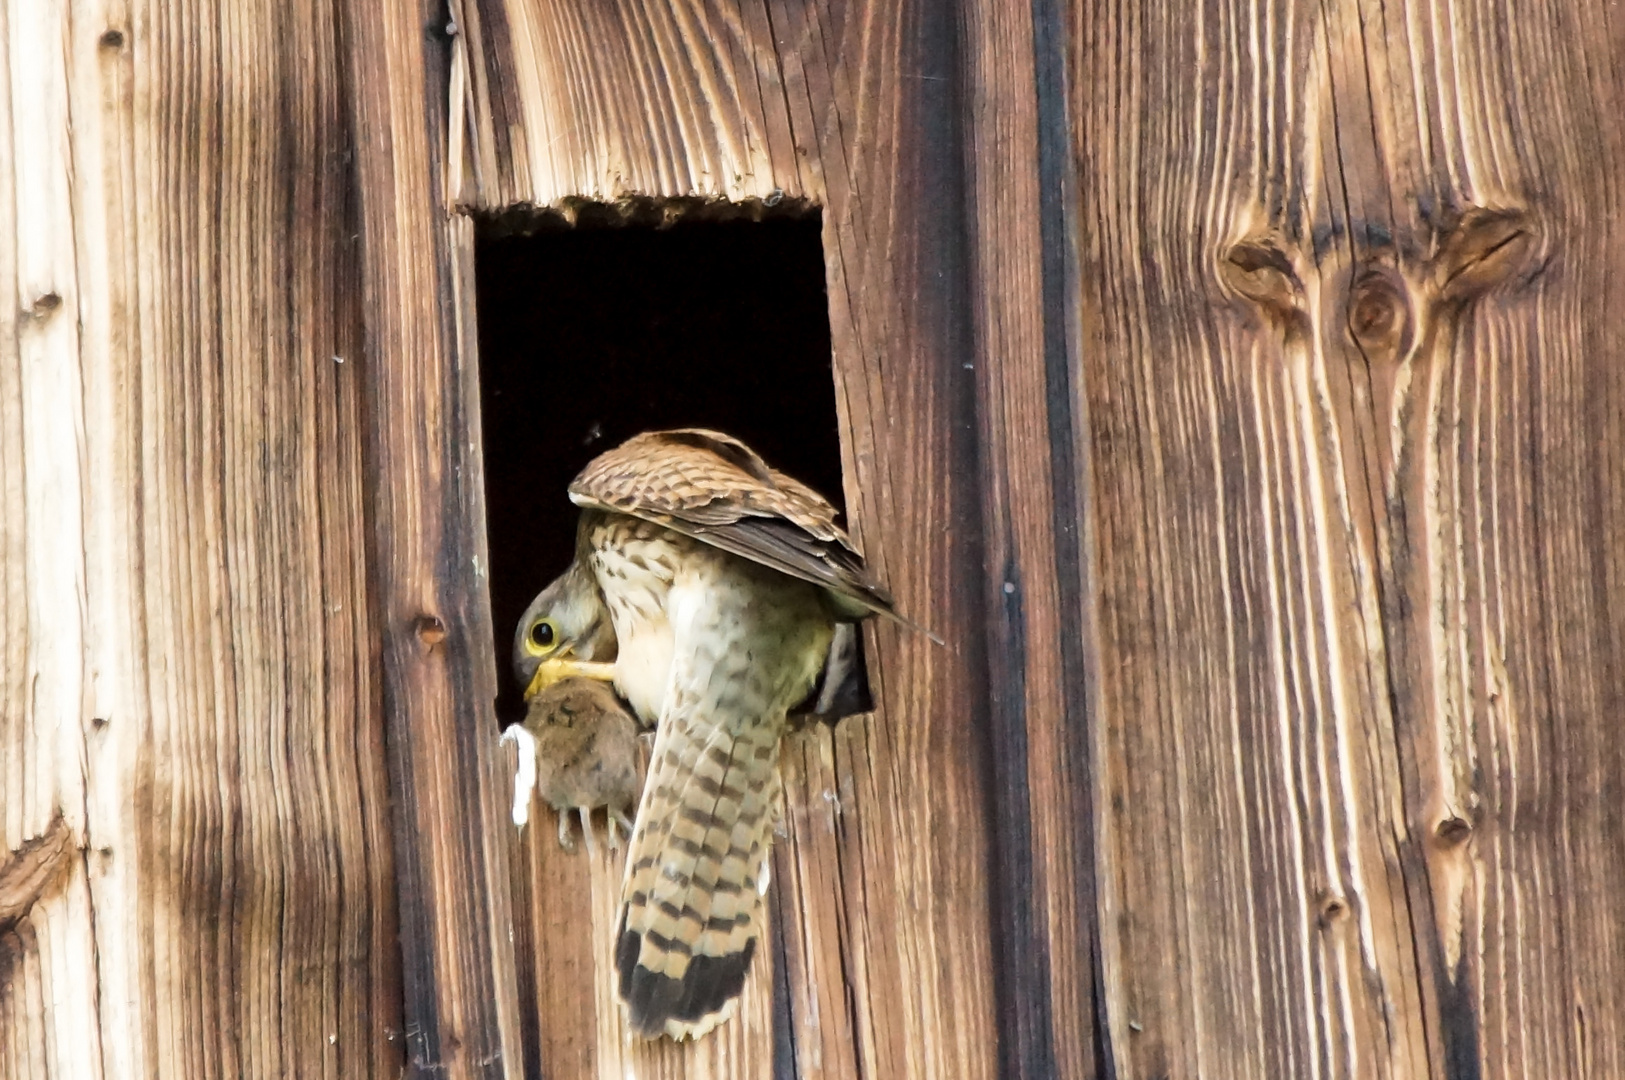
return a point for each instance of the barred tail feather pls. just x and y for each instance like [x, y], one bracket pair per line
[691, 909]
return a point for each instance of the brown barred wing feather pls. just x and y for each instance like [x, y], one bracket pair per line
[716, 489]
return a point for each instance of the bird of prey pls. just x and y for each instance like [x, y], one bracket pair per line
[722, 581]
[584, 745]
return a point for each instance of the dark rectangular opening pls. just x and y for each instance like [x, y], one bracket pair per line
[590, 334]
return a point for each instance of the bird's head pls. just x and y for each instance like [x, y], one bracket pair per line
[566, 622]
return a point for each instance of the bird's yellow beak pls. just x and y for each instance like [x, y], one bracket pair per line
[554, 668]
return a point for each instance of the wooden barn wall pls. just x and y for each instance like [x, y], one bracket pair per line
[1252, 363]
[196, 875]
[1237, 391]
[943, 351]
[1352, 370]
[438, 668]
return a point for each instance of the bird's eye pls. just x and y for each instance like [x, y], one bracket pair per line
[542, 635]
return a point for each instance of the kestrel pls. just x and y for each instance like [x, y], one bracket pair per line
[723, 581]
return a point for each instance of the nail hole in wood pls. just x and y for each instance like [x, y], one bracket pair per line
[44, 304]
[112, 39]
[600, 321]
[430, 630]
[1452, 831]
[1332, 908]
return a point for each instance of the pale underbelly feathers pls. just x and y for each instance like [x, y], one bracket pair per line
[753, 640]
[766, 634]
[634, 563]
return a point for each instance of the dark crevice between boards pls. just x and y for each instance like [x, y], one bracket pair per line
[632, 317]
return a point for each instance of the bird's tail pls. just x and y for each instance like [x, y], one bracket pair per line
[691, 901]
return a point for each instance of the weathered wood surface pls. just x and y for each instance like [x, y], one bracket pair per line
[854, 108]
[188, 706]
[429, 559]
[842, 107]
[1350, 445]
[1351, 292]
[1315, 303]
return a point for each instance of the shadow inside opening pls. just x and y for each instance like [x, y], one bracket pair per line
[591, 335]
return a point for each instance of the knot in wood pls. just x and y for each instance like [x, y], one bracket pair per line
[44, 304]
[1379, 315]
[1483, 249]
[35, 870]
[1259, 269]
[1333, 907]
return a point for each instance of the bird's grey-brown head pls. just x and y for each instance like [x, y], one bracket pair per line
[566, 622]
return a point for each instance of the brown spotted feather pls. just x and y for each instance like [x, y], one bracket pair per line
[716, 489]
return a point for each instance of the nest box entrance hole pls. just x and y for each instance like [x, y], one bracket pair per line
[593, 333]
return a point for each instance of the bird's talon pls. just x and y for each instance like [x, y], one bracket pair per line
[565, 840]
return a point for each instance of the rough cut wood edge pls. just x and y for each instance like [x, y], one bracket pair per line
[564, 102]
[433, 608]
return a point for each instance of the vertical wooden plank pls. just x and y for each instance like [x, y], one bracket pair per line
[853, 107]
[428, 551]
[874, 96]
[185, 459]
[45, 478]
[1255, 914]
[1493, 407]
[1025, 358]
[816, 953]
[1350, 528]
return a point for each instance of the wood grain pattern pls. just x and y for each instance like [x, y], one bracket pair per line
[1351, 426]
[569, 102]
[844, 106]
[187, 676]
[428, 554]
[1025, 355]
[1236, 390]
